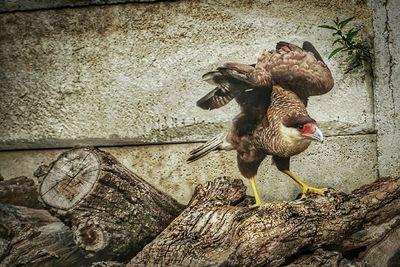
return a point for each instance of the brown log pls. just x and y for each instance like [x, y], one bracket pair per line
[32, 237]
[112, 211]
[322, 258]
[384, 253]
[217, 229]
[20, 191]
[107, 264]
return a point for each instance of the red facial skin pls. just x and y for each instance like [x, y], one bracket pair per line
[308, 130]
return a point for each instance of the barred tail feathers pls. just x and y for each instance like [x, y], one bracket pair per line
[216, 143]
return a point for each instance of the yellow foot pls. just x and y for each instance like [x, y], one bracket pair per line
[306, 190]
[257, 204]
[259, 201]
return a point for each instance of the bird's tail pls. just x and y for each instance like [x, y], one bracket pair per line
[216, 143]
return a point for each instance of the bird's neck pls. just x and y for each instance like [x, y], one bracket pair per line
[292, 144]
[279, 141]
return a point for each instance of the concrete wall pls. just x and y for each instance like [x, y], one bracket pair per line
[386, 15]
[130, 75]
[23, 5]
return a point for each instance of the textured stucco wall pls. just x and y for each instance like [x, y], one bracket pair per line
[386, 15]
[23, 5]
[131, 74]
[341, 162]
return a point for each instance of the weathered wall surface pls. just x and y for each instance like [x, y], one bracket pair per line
[386, 15]
[340, 162]
[23, 5]
[131, 74]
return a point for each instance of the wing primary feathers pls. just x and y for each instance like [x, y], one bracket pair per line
[214, 78]
[233, 73]
[309, 47]
[229, 80]
[233, 80]
[289, 45]
[218, 97]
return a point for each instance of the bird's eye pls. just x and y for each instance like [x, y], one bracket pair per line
[300, 126]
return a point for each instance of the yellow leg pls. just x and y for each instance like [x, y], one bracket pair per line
[305, 189]
[259, 201]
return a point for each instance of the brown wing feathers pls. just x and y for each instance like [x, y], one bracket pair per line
[300, 70]
[217, 98]
[227, 89]
[309, 47]
[232, 81]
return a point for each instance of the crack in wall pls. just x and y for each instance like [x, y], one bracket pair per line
[12, 6]
[388, 41]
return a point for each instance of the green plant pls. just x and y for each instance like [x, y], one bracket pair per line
[357, 51]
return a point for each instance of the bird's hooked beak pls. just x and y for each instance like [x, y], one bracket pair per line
[311, 131]
[318, 136]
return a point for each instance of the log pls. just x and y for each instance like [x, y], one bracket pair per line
[218, 229]
[20, 191]
[322, 258]
[32, 237]
[113, 213]
[107, 264]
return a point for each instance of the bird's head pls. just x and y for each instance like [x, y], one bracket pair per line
[298, 128]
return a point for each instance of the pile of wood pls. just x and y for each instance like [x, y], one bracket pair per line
[89, 210]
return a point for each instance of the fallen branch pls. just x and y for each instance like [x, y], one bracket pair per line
[217, 228]
[20, 191]
[32, 237]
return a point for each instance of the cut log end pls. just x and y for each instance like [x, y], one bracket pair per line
[70, 179]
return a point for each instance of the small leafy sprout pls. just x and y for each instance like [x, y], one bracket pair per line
[357, 51]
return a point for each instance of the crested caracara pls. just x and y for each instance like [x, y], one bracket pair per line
[272, 95]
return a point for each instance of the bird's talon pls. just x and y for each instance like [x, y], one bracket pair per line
[256, 205]
[306, 190]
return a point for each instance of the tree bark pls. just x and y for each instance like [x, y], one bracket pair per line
[112, 211]
[20, 191]
[218, 229]
[107, 264]
[32, 237]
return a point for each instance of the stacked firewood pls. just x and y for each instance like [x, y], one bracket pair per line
[87, 209]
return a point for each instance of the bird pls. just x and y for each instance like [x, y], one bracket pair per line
[273, 120]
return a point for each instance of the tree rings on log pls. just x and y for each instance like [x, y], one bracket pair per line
[113, 212]
[70, 179]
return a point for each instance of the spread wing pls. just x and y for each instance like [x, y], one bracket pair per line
[249, 85]
[246, 83]
[300, 70]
